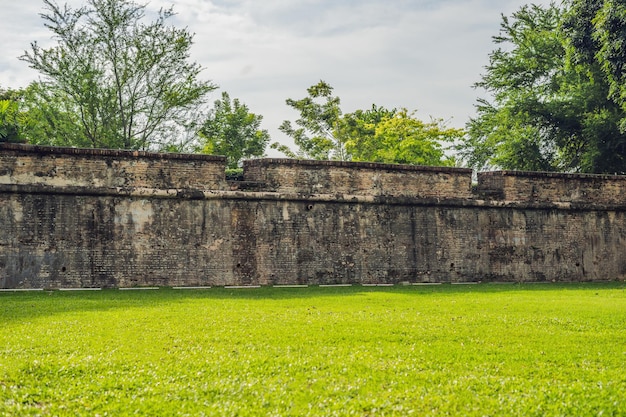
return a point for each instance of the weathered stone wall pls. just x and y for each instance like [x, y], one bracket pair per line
[354, 178]
[569, 189]
[102, 218]
[105, 168]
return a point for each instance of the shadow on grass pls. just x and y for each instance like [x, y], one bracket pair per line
[24, 306]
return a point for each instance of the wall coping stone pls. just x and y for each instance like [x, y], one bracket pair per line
[545, 174]
[351, 164]
[553, 187]
[100, 152]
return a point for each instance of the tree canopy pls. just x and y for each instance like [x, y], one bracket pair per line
[10, 116]
[376, 135]
[39, 116]
[396, 136]
[553, 105]
[317, 131]
[232, 130]
[122, 82]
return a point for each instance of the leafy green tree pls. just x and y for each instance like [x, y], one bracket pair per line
[597, 35]
[9, 125]
[38, 116]
[609, 32]
[317, 134]
[401, 138]
[10, 130]
[548, 111]
[359, 129]
[396, 136]
[231, 130]
[127, 84]
[374, 135]
[49, 118]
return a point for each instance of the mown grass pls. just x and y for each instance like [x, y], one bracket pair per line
[531, 350]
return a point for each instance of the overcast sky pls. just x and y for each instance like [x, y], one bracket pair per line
[424, 55]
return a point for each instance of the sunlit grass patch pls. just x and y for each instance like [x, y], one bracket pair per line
[455, 350]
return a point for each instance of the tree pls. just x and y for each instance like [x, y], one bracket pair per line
[396, 136]
[549, 112]
[231, 130]
[374, 135]
[597, 33]
[402, 139]
[126, 83]
[36, 116]
[49, 118]
[10, 119]
[359, 129]
[317, 135]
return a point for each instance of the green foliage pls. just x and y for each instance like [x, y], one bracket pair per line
[124, 83]
[9, 116]
[374, 135]
[596, 32]
[231, 130]
[317, 133]
[359, 128]
[529, 350]
[610, 35]
[38, 116]
[398, 137]
[234, 174]
[49, 118]
[551, 108]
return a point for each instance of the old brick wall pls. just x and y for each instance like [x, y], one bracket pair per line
[105, 168]
[568, 189]
[354, 178]
[102, 218]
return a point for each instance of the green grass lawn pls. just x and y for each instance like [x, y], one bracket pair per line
[529, 350]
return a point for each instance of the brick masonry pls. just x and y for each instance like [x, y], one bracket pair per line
[105, 218]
